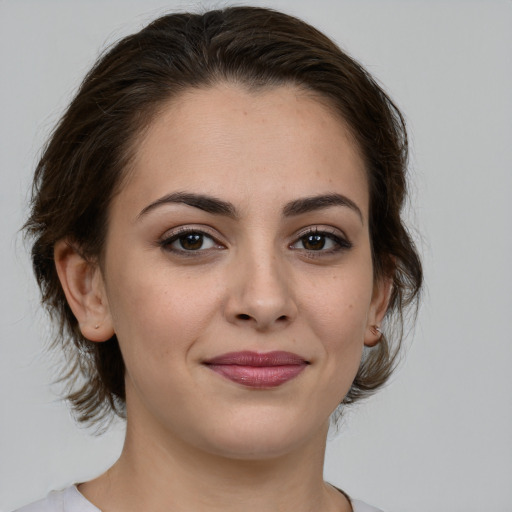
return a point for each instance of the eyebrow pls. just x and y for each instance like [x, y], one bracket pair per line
[217, 206]
[203, 202]
[310, 204]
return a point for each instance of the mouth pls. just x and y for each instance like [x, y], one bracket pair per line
[258, 370]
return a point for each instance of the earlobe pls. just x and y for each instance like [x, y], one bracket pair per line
[378, 309]
[83, 286]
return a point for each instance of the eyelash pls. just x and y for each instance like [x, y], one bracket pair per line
[340, 243]
[181, 233]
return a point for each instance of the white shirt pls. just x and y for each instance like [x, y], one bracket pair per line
[70, 500]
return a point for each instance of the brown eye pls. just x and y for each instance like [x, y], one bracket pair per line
[188, 242]
[322, 242]
[313, 242]
[191, 241]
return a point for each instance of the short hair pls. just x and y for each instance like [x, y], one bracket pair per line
[88, 154]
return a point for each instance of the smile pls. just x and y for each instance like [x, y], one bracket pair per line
[256, 370]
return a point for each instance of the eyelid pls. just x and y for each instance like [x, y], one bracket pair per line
[334, 234]
[321, 229]
[173, 234]
[188, 228]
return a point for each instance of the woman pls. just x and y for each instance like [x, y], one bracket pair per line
[216, 225]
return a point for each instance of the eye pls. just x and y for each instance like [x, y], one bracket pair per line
[321, 241]
[316, 242]
[189, 241]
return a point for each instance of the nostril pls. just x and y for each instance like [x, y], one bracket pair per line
[243, 316]
[282, 317]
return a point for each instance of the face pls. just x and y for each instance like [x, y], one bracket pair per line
[238, 273]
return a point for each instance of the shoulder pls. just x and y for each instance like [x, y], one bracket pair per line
[360, 506]
[67, 500]
[70, 500]
[357, 506]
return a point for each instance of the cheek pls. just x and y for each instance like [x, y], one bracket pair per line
[157, 313]
[339, 307]
[337, 315]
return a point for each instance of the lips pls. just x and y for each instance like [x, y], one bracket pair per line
[255, 370]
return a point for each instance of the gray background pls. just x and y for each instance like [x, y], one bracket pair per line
[440, 436]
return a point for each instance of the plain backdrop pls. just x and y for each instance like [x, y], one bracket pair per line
[439, 437]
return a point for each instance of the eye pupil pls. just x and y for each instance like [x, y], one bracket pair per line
[313, 242]
[191, 241]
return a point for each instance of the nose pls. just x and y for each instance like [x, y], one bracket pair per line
[260, 293]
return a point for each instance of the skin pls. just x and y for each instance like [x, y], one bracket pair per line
[254, 281]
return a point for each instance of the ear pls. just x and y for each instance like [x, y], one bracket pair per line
[379, 305]
[83, 286]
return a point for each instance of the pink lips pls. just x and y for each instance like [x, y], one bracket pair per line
[256, 370]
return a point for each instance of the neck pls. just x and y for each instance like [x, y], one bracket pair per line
[161, 473]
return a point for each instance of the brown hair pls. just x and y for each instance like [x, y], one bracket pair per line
[87, 156]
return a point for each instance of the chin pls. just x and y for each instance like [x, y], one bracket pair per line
[254, 449]
[266, 439]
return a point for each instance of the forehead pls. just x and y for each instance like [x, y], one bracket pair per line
[279, 143]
